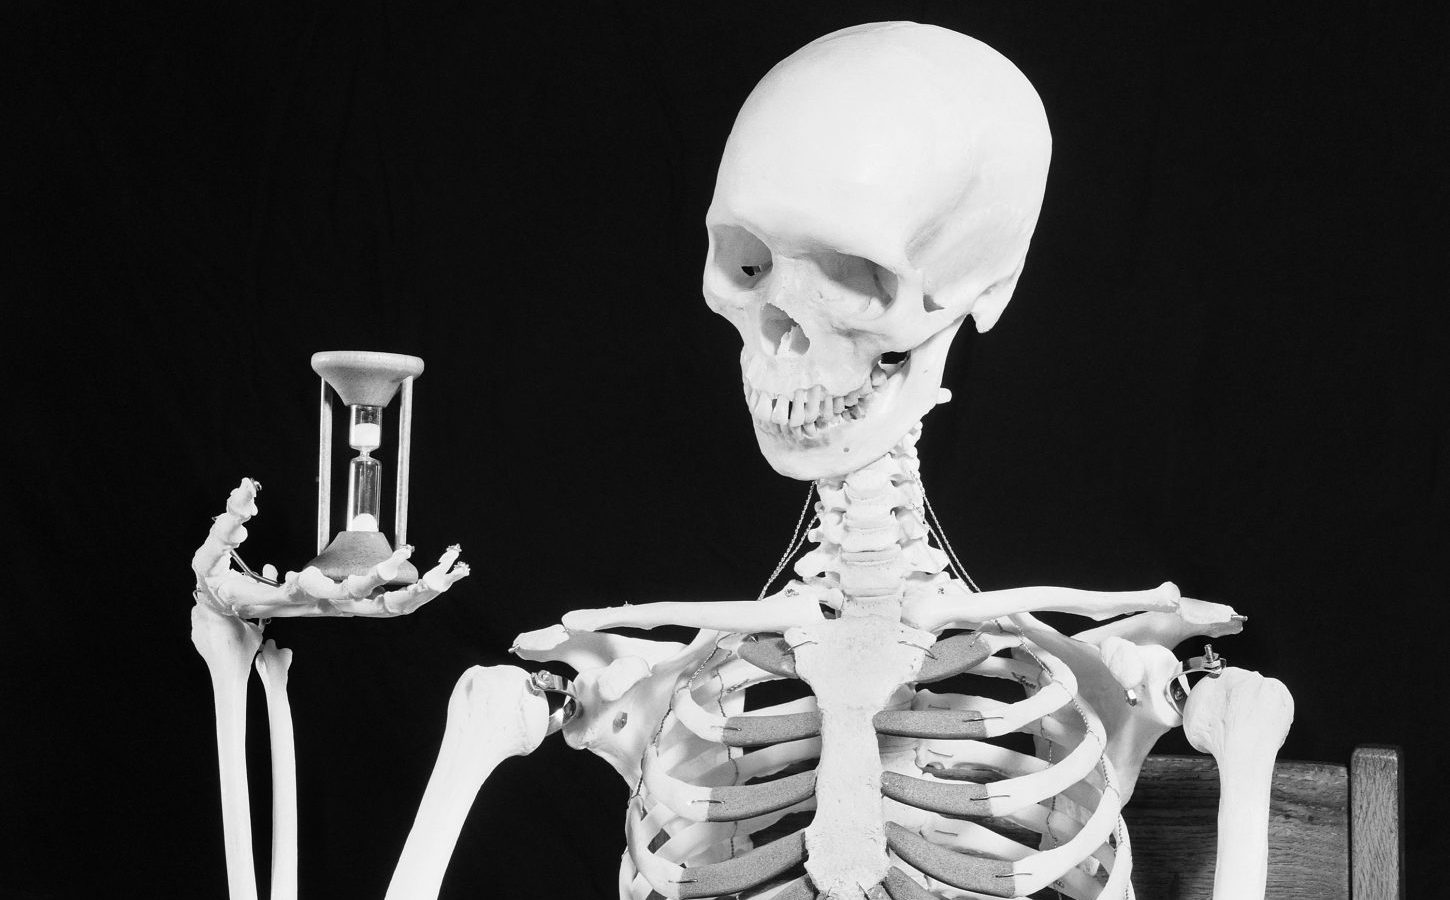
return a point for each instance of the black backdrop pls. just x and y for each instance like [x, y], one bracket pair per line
[1225, 366]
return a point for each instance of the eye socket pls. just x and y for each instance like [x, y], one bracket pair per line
[870, 288]
[740, 257]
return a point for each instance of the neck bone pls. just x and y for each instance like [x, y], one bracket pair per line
[871, 540]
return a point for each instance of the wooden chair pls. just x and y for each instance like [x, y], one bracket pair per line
[1334, 834]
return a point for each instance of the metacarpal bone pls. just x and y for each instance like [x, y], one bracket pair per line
[494, 713]
[228, 645]
[1241, 718]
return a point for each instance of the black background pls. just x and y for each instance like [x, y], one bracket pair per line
[1225, 366]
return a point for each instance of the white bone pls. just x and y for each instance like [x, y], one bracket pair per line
[1193, 618]
[1037, 872]
[879, 185]
[618, 726]
[272, 664]
[309, 592]
[1014, 765]
[853, 665]
[1144, 672]
[959, 608]
[494, 713]
[973, 838]
[587, 650]
[661, 874]
[1132, 729]
[718, 615]
[1119, 885]
[1241, 718]
[228, 645]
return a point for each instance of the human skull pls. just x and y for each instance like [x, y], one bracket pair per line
[879, 185]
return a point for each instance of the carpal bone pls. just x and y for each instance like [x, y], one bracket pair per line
[1241, 718]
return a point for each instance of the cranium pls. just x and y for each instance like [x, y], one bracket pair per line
[879, 185]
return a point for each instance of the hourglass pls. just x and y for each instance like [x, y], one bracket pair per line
[366, 382]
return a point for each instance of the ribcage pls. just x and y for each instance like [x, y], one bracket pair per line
[984, 791]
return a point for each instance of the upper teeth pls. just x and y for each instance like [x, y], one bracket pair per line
[807, 411]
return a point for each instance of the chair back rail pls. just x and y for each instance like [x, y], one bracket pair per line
[1173, 820]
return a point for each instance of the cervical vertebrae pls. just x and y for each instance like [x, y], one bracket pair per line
[872, 540]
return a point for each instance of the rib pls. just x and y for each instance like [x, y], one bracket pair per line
[749, 729]
[972, 724]
[677, 882]
[993, 877]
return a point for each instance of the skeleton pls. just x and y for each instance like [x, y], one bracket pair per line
[880, 186]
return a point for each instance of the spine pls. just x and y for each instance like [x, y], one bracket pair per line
[872, 538]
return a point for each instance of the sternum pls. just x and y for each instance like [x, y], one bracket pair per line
[853, 665]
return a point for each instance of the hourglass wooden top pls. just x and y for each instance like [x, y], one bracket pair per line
[365, 377]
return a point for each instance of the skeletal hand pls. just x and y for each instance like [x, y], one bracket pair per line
[307, 593]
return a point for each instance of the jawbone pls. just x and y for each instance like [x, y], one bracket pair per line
[806, 438]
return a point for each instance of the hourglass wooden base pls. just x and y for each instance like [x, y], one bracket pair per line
[355, 552]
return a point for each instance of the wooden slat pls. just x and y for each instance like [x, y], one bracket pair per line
[1173, 819]
[1377, 782]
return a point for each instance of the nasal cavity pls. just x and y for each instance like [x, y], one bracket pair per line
[783, 335]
